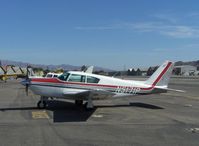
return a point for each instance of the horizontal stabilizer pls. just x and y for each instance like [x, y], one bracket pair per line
[176, 90]
[169, 89]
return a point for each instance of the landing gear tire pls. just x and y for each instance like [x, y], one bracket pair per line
[88, 108]
[41, 105]
[79, 102]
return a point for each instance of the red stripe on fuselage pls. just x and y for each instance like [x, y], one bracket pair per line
[55, 80]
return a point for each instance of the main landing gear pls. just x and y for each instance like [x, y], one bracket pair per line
[88, 105]
[42, 103]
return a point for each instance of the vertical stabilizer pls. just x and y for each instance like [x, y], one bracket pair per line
[162, 75]
[89, 70]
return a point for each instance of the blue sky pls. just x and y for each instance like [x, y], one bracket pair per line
[106, 33]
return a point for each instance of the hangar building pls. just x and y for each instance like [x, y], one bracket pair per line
[185, 70]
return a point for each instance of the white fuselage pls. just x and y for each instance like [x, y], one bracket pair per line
[55, 87]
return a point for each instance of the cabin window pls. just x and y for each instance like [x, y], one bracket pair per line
[64, 76]
[92, 79]
[77, 78]
[49, 75]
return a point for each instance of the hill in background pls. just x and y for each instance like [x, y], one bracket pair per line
[49, 67]
[72, 67]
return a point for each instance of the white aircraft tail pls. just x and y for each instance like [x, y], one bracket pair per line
[89, 70]
[161, 76]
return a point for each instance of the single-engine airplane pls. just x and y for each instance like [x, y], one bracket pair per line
[84, 86]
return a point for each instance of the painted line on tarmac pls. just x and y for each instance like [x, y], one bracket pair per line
[97, 116]
[40, 115]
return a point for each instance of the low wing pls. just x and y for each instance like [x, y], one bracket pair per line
[101, 94]
[94, 94]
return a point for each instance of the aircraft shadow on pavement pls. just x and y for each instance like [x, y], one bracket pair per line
[132, 104]
[64, 111]
[145, 105]
[68, 112]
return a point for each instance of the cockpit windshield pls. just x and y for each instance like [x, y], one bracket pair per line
[64, 76]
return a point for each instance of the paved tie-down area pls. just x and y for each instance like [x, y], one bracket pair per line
[169, 119]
